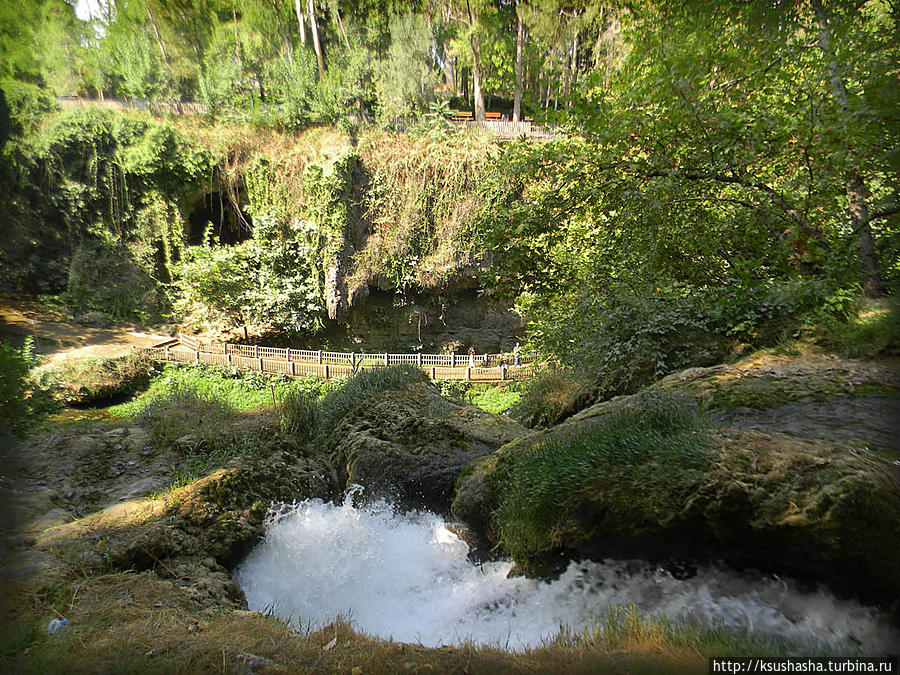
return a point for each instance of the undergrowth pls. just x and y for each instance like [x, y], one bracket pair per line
[343, 397]
[83, 382]
[495, 399]
[627, 469]
[234, 388]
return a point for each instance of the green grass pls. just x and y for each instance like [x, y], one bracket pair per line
[629, 468]
[495, 399]
[235, 389]
[345, 395]
[871, 331]
[626, 627]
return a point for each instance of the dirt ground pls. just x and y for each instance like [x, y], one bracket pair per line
[59, 337]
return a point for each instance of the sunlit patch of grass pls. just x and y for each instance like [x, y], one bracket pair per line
[139, 622]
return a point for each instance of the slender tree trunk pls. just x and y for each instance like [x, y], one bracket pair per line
[856, 191]
[520, 40]
[159, 41]
[476, 78]
[301, 21]
[314, 29]
[340, 24]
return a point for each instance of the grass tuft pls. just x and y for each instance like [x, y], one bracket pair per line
[629, 466]
[347, 394]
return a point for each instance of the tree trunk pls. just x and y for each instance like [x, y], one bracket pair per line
[340, 24]
[857, 194]
[301, 22]
[855, 188]
[517, 100]
[314, 29]
[159, 41]
[477, 94]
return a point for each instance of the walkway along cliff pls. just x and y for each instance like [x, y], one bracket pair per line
[326, 364]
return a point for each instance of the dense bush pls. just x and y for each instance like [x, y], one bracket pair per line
[22, 401]
[622, 340]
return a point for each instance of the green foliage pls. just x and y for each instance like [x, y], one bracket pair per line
[631, 336]
[424, 199]
[405, 80]
[298, 412]
[865, 332]
[28, 104]
[544, 397]
[230, 389]
[490, 398]
[347, 395]
[635, 463]
[95, 380]
[23, 402]
[94, 206]
[494, 399]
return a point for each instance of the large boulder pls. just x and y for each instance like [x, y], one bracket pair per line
[409, 446]
[816, 502]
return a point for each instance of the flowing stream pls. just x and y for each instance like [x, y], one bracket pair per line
[406, 576]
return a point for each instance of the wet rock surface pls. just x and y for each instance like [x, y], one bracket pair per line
[410, 446]
[794, 486]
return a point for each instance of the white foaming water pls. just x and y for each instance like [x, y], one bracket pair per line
[405, 576]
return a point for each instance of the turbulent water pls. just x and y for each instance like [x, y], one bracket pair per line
[406, 576]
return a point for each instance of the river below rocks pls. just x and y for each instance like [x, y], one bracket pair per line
[408, 577]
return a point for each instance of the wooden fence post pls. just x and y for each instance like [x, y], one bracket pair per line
[353, 359]
[293, 370]
[468, 373]
[419, 359]
[326, 371]
[228, 359]
[385, 358]
[259, 361]
[255, 351]
[168, 357]
[432, 372]
[320, 357]
[197, 356]
[453, 359]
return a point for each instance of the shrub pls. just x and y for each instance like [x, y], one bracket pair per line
[22, 401]
[631, 465]
[544, 397]
[350, 393]
[95, 380]
[863, 332]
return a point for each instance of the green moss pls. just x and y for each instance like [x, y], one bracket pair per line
[620, 475]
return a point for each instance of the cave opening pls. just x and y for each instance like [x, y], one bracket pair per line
[216, 212]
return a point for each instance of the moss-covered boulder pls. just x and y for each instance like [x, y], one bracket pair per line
[410, 445]
[670, 475]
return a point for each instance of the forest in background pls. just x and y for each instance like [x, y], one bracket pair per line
[725, 173]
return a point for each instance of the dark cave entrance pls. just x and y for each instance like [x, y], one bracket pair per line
[216, 212]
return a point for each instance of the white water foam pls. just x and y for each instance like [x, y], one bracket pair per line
[406, 576]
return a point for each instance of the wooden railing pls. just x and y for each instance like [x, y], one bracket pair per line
[327, 364]
[153, 107]
[509, 130]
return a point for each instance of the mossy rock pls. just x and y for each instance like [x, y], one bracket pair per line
[409, 446]
[807, 507]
